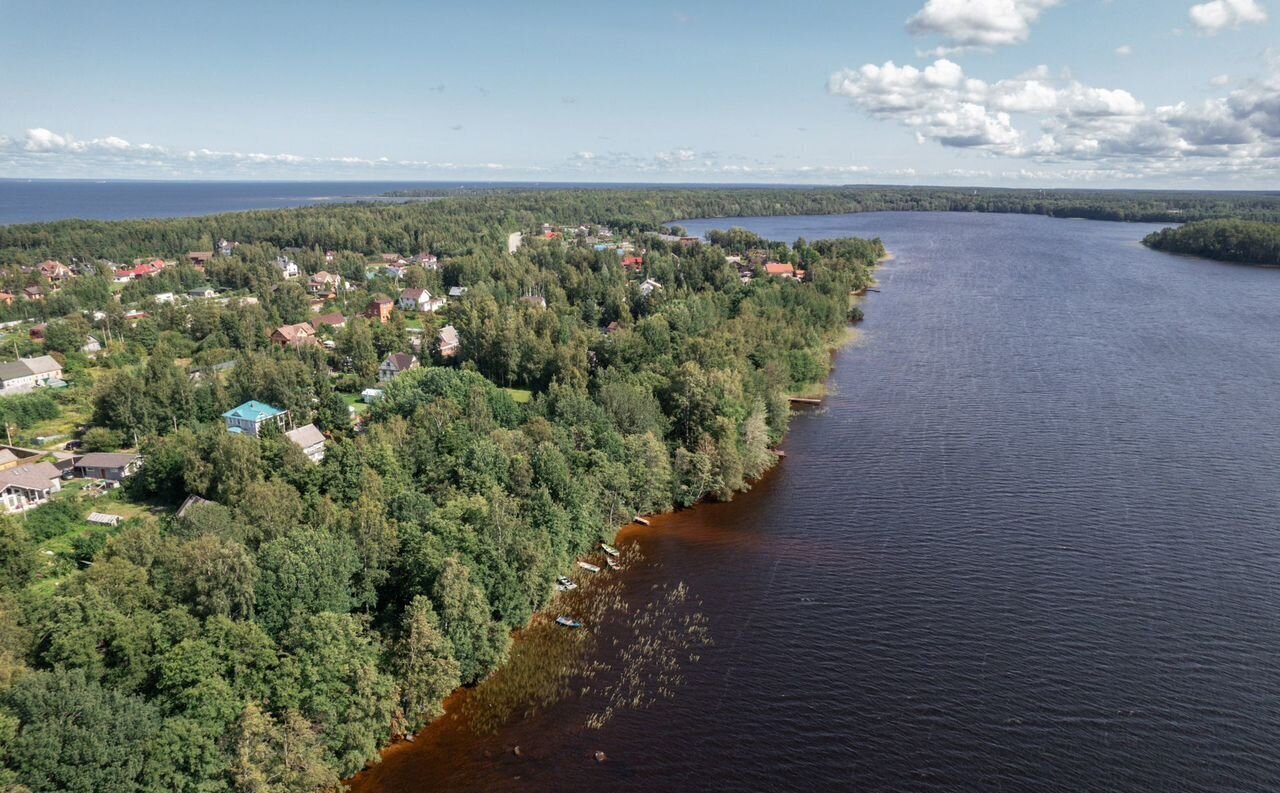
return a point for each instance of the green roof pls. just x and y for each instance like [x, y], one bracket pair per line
[254, 411]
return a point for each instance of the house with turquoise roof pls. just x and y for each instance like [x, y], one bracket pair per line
[249, 417]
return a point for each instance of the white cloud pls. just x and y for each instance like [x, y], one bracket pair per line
[44, 153]
[1218, 15]
[979, 23]
[1220, 80]
[1059, 119]
[1124, 50]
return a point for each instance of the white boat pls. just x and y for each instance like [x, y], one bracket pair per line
[568, 622]
[613, 565]
[609, 549]
[589, 567]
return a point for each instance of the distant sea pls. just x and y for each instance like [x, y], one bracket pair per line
[39, 200]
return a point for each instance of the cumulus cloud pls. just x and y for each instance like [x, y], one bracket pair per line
[1218, 15]
[979, 23]
[43, 152]
[1060, 119]
[1124, 50]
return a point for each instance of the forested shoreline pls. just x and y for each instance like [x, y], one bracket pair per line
[1248, 242]
[294, 617]
[480, 218]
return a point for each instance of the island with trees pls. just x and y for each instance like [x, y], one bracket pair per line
[278, 482]
[1247, 241]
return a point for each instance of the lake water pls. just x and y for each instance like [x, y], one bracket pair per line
[1030, 543]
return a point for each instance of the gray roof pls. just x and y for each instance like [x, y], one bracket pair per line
[306, 436]
[105, 460]
[25, 367]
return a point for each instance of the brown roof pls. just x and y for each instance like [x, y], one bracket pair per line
[332, 320]
[779, 268]
[402, 361]
[292, 333]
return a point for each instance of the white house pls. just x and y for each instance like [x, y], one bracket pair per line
[310, 440]
[457, 291]
[649, 287]
[287, 267]
[419, 300]
[371, 395]
[24, 374]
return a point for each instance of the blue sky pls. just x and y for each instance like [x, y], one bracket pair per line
[1158, 93]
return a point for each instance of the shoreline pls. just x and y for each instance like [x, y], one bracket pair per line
[625, 537]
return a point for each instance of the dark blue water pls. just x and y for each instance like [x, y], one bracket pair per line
[35, 200]
[1030, 543]
[31, 201]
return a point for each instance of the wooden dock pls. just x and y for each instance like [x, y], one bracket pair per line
[804, 401]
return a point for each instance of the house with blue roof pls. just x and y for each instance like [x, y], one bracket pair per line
[249, 417]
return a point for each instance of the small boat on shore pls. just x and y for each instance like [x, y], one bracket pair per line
[613, 564]
[609, 549]
[642, 521]
[589, 567]
[568, 622]
[564, 584]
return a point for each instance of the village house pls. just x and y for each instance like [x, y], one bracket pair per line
[392, 258]
[633, 263]
[249, 417]
[25, 374]
[448, 342]
[457, 291]
[420, 300]
[427, 260]
[310, 440]
[124, 275]
[54, 271]
[397, 363]
[164, 297]
[334, 321]
[324, 283]
[537, 301]
[202, 292]
[780, 269]
[107, 465]
[200, 258]
[226, 248]
[330, 257]
[379, 309]
[25, 487]
[92, 346]
[649, 287]
[297, 335]
[33, 294]
[288, 267]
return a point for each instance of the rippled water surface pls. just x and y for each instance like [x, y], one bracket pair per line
[1031, 542]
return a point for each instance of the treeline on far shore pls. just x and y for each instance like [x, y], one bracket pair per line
[481, 219]
[1248, 241]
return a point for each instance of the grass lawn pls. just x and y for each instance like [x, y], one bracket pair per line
[519, 395]
[356, 401]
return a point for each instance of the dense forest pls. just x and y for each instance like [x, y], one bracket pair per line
[297, 616]
[474, 220]
[1252, 242]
